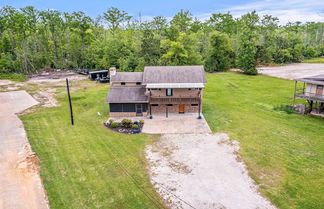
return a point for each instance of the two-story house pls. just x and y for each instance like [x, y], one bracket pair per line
[157, 90]
[312, 91]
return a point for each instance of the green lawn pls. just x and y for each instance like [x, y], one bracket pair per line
[13, 77]
[89, 166]
[284, 152]
[314, 60]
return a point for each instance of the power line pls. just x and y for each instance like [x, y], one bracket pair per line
[175, 195]
[136, 183]
[185, 202]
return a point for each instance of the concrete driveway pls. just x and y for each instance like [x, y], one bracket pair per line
[202, 171]
[293, 71]
[20, 183]
[176, 124]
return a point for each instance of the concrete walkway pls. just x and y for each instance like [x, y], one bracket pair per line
[176, 124]
[173, 124]
[20, 183]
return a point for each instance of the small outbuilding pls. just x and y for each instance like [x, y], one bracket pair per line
[312, 90]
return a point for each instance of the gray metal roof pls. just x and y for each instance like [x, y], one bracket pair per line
[318, 79]
[127, 94]
[174, 74]
[99, 71]
[174, 85]
[127, 77]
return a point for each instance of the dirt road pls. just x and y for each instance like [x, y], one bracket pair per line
[202, 171]
[20, 183]
[293, 71]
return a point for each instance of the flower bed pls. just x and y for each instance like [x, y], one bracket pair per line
[126, 126]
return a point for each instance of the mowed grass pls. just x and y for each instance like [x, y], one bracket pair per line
[83, 166]
[314, 60]
[87, 165]
[284, 152]
[13, 77]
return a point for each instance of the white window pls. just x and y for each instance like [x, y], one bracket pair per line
[169, 92]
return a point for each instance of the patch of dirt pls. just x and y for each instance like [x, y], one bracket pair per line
[46, 97]
[28, 163]
[236, 70]
[55, 76]
[5, 82]
[202, 171]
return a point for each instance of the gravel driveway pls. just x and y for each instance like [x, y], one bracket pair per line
[293, 71]
[201, 171]
[20, 183]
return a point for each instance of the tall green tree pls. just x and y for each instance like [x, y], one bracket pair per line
[115, 18]
[219, 53]
[182, 51]
[150, 48]
[248, 38]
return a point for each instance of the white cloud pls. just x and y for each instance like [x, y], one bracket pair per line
[285, 10]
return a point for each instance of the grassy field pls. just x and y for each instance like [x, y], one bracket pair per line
[13, 77]
[314, 60]
[89, 166]
[284, 152]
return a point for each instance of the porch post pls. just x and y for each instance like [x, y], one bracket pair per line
[311, 106]
[150, 109]
[166, 111]
[199, 108]
[199, 104]
[295, 93]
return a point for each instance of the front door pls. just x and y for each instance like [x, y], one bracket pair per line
[181, 108]
[139, 110]
[319, 90]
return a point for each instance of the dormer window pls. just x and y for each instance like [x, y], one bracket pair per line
[169, 92]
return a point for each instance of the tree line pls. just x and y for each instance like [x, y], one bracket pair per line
[31, 40]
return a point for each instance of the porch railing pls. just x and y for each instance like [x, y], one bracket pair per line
[174, 100]
[310, 96]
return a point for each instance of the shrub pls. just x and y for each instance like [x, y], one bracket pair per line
[126, 123]
[285, 108]
[134, 126]
[310, 52]
[114, 124]
[141, 121]
[111, 121]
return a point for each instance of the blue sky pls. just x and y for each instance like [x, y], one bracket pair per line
[286, 10]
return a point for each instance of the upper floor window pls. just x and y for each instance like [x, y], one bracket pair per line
[169, 92]
[138, 83]
[123, 83]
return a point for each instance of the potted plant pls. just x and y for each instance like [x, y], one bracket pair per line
[136, 129]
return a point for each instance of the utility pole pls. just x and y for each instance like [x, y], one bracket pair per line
[70, 103]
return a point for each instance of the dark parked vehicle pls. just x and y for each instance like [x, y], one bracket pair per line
[97, 75]
[83, 71]
[103, 80]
